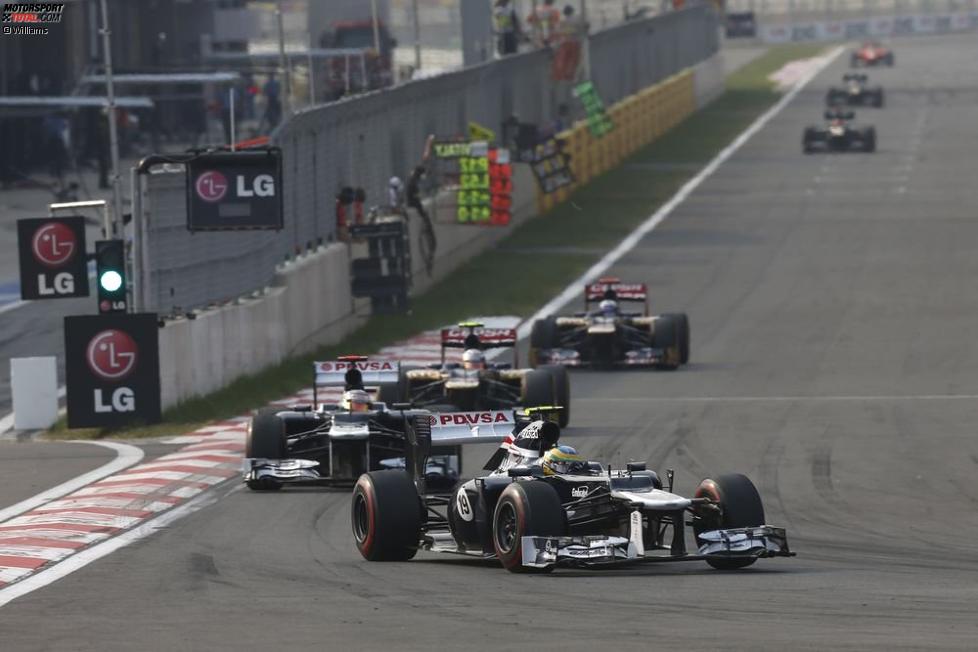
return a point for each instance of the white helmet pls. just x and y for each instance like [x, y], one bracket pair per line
[395, 183]
[608, 307]
[356, 400]
[473, 359]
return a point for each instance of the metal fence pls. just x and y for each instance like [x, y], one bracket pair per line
[794, 10]
[364, 140]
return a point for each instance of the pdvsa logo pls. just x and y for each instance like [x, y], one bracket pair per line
[112, 356]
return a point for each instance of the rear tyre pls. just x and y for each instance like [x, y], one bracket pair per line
[537, 388]
[542, 336]
[666, 336]
[525, 509]
[265, 440]
[561, 390]
[869, 139]
[386, 514]
[740, 506]
[806, 140]
[682, 332]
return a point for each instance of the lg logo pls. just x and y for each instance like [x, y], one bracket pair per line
[212, 186]
[111, 356]
[54, 246]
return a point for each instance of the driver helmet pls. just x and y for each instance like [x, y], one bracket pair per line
[473, 359]
[356, 400]
[608, 307]
[562, 460]
[395, 183]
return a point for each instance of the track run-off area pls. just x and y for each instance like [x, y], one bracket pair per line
[834, 361]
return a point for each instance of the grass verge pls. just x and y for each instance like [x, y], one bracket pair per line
[550, 250]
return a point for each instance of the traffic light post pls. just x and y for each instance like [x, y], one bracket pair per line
[110, 276]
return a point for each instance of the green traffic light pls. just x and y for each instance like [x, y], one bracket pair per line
[110, 280]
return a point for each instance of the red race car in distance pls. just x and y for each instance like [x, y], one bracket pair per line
[871, 53]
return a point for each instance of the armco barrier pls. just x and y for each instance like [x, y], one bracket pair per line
[639, 119]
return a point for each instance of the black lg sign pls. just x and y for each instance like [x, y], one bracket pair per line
[112, 368]
[235, 190]
[53, 261]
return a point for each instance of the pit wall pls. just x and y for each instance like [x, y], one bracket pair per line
[309, 304]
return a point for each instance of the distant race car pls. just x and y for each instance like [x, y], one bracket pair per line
[333, 444]
[477, 384]
[542, 506]
[609, 336]
[871, 53]
[857, 91]
[839, 135]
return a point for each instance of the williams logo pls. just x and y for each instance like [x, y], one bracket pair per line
[28, 18]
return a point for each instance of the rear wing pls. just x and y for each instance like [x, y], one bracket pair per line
[473, 335]
[612, 288]
[353, 372]
[486, 426]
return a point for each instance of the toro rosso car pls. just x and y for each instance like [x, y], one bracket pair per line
[839, 135]
[871, 54]
[856, 91]
[475, 383]
[610, 336]
[333, 444]
[542, 506]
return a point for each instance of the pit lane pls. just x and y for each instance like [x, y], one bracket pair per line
[806, 279]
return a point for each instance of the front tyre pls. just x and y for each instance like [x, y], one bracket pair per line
[682, 332]
[386, 515]
[265, 440]
[739, 506]
[524, 509]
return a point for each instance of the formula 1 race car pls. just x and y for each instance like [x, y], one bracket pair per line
[871, 53]
[609, 336]
[333, 444]
[839, 135]
[533, 519]
[857, 91]
[475, 383]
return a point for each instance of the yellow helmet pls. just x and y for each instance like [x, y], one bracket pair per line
[562, 460]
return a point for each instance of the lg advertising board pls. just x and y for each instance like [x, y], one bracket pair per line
[112, 369]
[53, 260]
[235, 190]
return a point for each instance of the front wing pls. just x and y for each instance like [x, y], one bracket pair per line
[606, 551]
[644, 357]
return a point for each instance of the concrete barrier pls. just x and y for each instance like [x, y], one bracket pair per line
[308, 305]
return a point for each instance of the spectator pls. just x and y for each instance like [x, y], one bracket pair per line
[506, 27]
[273, 103]
[545, 19]
[567, 58]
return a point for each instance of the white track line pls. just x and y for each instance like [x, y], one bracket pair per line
[126, 456]
[96, 552]
[783, 399]
[573, 290]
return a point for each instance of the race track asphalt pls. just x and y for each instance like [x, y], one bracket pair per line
[834, 315]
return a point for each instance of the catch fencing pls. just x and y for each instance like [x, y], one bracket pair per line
[364, 140]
